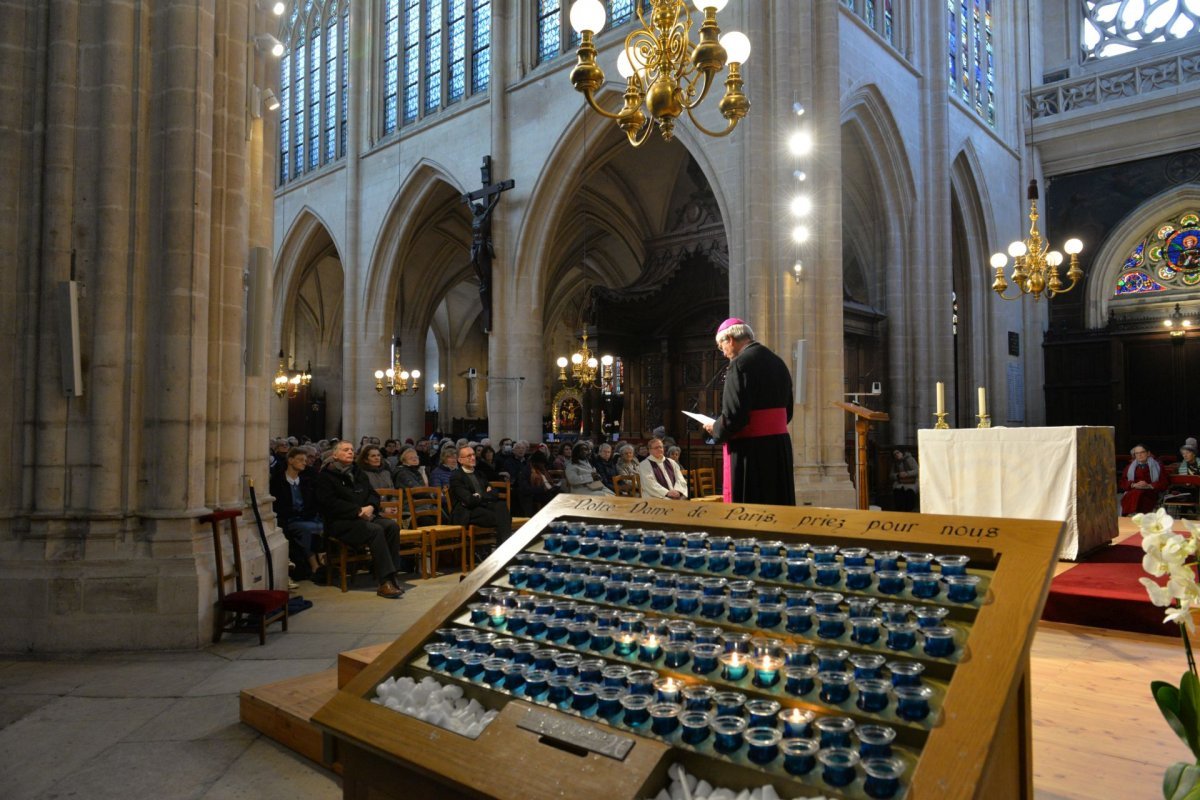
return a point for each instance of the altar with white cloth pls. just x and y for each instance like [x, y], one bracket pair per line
[1060, 473]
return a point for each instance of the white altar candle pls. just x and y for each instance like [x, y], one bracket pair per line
[941, 398]
[982, 402]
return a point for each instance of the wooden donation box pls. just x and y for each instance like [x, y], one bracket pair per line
[823, 652]
[1060, 473]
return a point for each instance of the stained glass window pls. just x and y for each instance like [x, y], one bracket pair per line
[481, 52]
[433, 55]
[549, 28]
[456, 50]
[1113, 27]
[391, 58]
[971, 57]
[313, 87]
[552, 22]
[412, 57]
[1167, 257]
[345, 76]
[879, 16]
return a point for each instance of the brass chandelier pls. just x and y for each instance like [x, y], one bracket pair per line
[665, 75]
[288, 381]
[396, 378]
[584, 365]
[1035, 265]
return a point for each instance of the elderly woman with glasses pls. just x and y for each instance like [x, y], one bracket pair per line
[1143, 482]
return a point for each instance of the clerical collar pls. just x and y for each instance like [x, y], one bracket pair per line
[468, 471]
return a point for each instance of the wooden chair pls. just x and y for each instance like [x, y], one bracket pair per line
[343, 560]
[703, 482]
[1181, 497]
[412, 541]
[479, 534]
[425, 502]
[627, 485]
[264, 606]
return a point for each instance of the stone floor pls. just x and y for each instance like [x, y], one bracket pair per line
[165, 725]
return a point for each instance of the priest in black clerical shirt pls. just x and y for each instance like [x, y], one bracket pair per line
[475, 502]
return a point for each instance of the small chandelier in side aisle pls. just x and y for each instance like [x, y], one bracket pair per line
[584, 365]
[1035, 265]
[396, 378]
[288, 381]
[665, 75]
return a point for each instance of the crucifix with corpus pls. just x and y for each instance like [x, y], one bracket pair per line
[483, 202]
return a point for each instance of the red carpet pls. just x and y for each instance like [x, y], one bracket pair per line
[1103, 592]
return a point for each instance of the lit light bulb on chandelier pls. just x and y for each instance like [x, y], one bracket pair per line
[800, 143]
[800, 234]
[801, 205]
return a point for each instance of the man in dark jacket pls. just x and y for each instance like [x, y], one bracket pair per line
[474, 501]
[350, 518]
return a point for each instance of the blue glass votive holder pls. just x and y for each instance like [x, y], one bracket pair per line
[720, 544]
[536, 683]
[704, 657]
[517, 575]
[536, 578]
[765, 593]
[831, 659]
[698, 697]
[446, 635]
[465, 638]
[686, 601]
[695, 725]
[895, 612]
[953, 564]
[605, 618]
[589, 546]
[514, 676]
[799, 755]
[677, 654]
[616, 675]
[762, 744]
[436, 654]
[734, 666]
[625, 643]
[473, 665]
[552, 542]
[925, 584]
[650, 554]
[831, 626]
[483, 642]
[637, 709]
[680, 630]
[828, 574]
[740, 589]
[800, 680]
[837, 765]
[901, 635]
[544, 658]
[797, 723]
[866, 666]
[653, 537]
[796, 654]
[918, 562]
[673, 538]
[718, 561]
[834, 731]
[799, 570]
[478, 613]
[875, 741]
[861, 606]
[729, 704]
[824, 553]
[746, 545]
[912, 702]
[574, 584]
[610, 533]
[766, 670]
[735, 642]
[939, 641]
[639, 594]
[930, 616]
[796, 549]
[672, 556]
[835, 687]
[556, 629]
[905, 673]
[799, 618]
[557, 526]
[631, 535]
[769, 547]
[454, 658]
[728, 734]
[558, 689]
[858, 578]
[649, 648]
[583, 695]
[712, 607]
[770, 567]
[891, 581]
[854, 556]
[555, 581]
[872, 694]
[962, 588]
[608, 701]
[567, 664]
[641, 681]
[616, 591]
[664, 718]
[745, 563]
[493, 670]
[591, 670]
[630, 621]
[885, 559]
[526, 603]
[570, 543]
[523, 652]
[601, 638]
[695, 559]
[707, 634]
[739, 609]
[827, 602]
[578, 633]
[713, 587]
[864, 630]
[882, 777]
[608, 549]
[503, 647]
[696, 540]
[629, 551]
[769, 615]
[762, 713]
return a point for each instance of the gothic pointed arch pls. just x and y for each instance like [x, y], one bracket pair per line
[308, 237]
[969, 208]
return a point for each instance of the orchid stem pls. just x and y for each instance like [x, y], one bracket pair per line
[1187, 646]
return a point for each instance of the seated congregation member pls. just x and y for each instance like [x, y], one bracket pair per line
[512, 458]
[904, 481]
[662, 477]
[535, 487]
[485, 464]
[409, 474]
[474, 502]
[296, 511]
[627, 463]
[563, 458]
[604, 464]
[674, 452]
[373, 469]
[351, 518]
[1142, 482]
[442, 472]
[581, 477]
[1188, 463]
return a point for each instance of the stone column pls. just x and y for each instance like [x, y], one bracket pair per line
[409, 409]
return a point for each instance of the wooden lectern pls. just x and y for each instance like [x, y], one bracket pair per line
[863, 417]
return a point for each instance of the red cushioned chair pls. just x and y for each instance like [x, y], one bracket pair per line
[237, 610]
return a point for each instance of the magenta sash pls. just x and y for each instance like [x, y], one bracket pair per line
[763, 422]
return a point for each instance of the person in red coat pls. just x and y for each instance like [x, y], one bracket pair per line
[1143, 482]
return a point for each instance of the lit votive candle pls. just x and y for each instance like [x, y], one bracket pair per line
[953, 564]
[872, 694]
[762, 713]
[837, 765]
[583, 696]
[962, 588]
[799, 570]
[834, 731]
[800, 680]
[695, 726]
[769, 615]
[698, 697]
[799, 755]
[624, 643]
[766, 671]
[668, 690]
[875, 741]
[912, 702]
[901, 635]
[835, 687]
[649, 649]
[797, 723]
[664, 718]
[728, 734]
[608, 701]
[704, 658]
[799, 618]
[734, 666]
[637, 709]
[883, 777]
[891, 581]
[885, 559]
[762, 744]
[831, 626]
[939, 641]
[739, 609]
[864, 630]
[677, 654]
[729, 704]
[858, 578]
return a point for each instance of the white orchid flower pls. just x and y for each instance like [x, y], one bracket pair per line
[1156, 522]
[1159, 595]
[1182, 615]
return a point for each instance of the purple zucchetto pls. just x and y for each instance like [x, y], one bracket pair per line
[729, 323]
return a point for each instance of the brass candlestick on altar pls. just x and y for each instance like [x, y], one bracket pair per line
[985, 420]
[940, 425]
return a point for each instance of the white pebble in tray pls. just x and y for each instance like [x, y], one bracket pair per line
[434, 703]
[687, 787]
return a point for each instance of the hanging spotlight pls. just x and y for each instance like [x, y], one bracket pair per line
[801, 205]
[266, 43]
[800, 234]
[800, 143]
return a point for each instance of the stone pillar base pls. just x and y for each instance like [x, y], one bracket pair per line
[825, 486]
